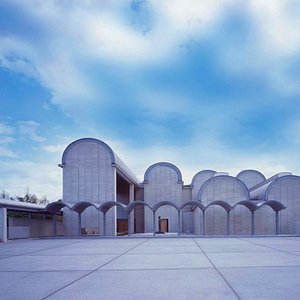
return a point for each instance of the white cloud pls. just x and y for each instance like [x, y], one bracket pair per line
[55, 148]
[203, 155]
[28, 129]
[5, 152]
[41, 178]
[6, 140]
[6, 129]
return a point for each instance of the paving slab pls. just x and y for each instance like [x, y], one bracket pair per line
[75, 250]
[159, 261]
[250, 259]
[265, 283]
[154, 268]
[235, 248]
[34, 285]
[54, 263]
[149, 285]
[165, 249]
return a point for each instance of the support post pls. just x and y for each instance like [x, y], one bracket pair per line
[3, 224]
[54, 225]
[131, 199]
[228, 222]
[79, 224]
[99, 224]
[129, 224]
[277, 222]
[104, 224]
[252, 223]
[153, 225]
[179, 223]
[203, 220]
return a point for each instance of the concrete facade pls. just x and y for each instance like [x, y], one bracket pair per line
[3, 224]
[111, 200]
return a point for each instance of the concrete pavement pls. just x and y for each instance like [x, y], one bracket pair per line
[151, 268]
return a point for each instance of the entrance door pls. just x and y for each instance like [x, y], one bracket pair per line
[164, 225]
[122, 226]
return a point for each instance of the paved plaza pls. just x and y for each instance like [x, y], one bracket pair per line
[151, 268]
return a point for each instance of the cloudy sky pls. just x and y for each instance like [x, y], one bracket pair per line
[201, 84]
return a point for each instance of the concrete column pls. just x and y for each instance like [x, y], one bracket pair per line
[203, 220]
[54, 225]
[3, 224]
[252, 223]
[153, 225]
[179, 223]
[79, 224]
[129, 223]
[99, 224]
[277, 222]
[104, 224]
[228, 223]
[131, 199]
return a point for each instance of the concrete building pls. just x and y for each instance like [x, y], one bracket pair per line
[101, 195]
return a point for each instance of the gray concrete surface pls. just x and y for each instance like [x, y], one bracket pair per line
[151, 268]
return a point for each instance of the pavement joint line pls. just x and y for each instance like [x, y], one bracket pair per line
[278, 250]
[155, 269]
[41, 250]
[93, 271]
[218, 271]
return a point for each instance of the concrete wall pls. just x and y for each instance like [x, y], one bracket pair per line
[163, 184]
[197, 182]
[287, 191]
[88, 175]
[251, 177]
[3, 224]
[230, 190]
[37, 227]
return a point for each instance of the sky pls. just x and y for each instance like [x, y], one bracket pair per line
[200, 84]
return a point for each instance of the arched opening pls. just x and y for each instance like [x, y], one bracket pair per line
[105, 208]
[166, 218]
[133, 209]
[216, 218]
[241, 218]
[192, 217]
[90, 225]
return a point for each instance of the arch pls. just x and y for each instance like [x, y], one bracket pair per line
[163, 164]
[274, 204]
[223, 204]
[247, 203]
[251, 171]
[81, 206]
[106, 206]
[164, 203]
[193, 203]
[226, 177]
[202, 172]
[278, 179]
[70, 146]
[55, 207]
[134, 204]
[251, 178]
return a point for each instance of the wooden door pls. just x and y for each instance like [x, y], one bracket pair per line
[122, 226]
[164, 225]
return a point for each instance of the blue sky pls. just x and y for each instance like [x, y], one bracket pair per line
[201, 85]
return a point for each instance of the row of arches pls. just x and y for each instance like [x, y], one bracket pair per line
[55, 207]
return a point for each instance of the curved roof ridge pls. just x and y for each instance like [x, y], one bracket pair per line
[202, 171]
[268, 188]
[162, 163]
[244, 187]
[115, 159]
